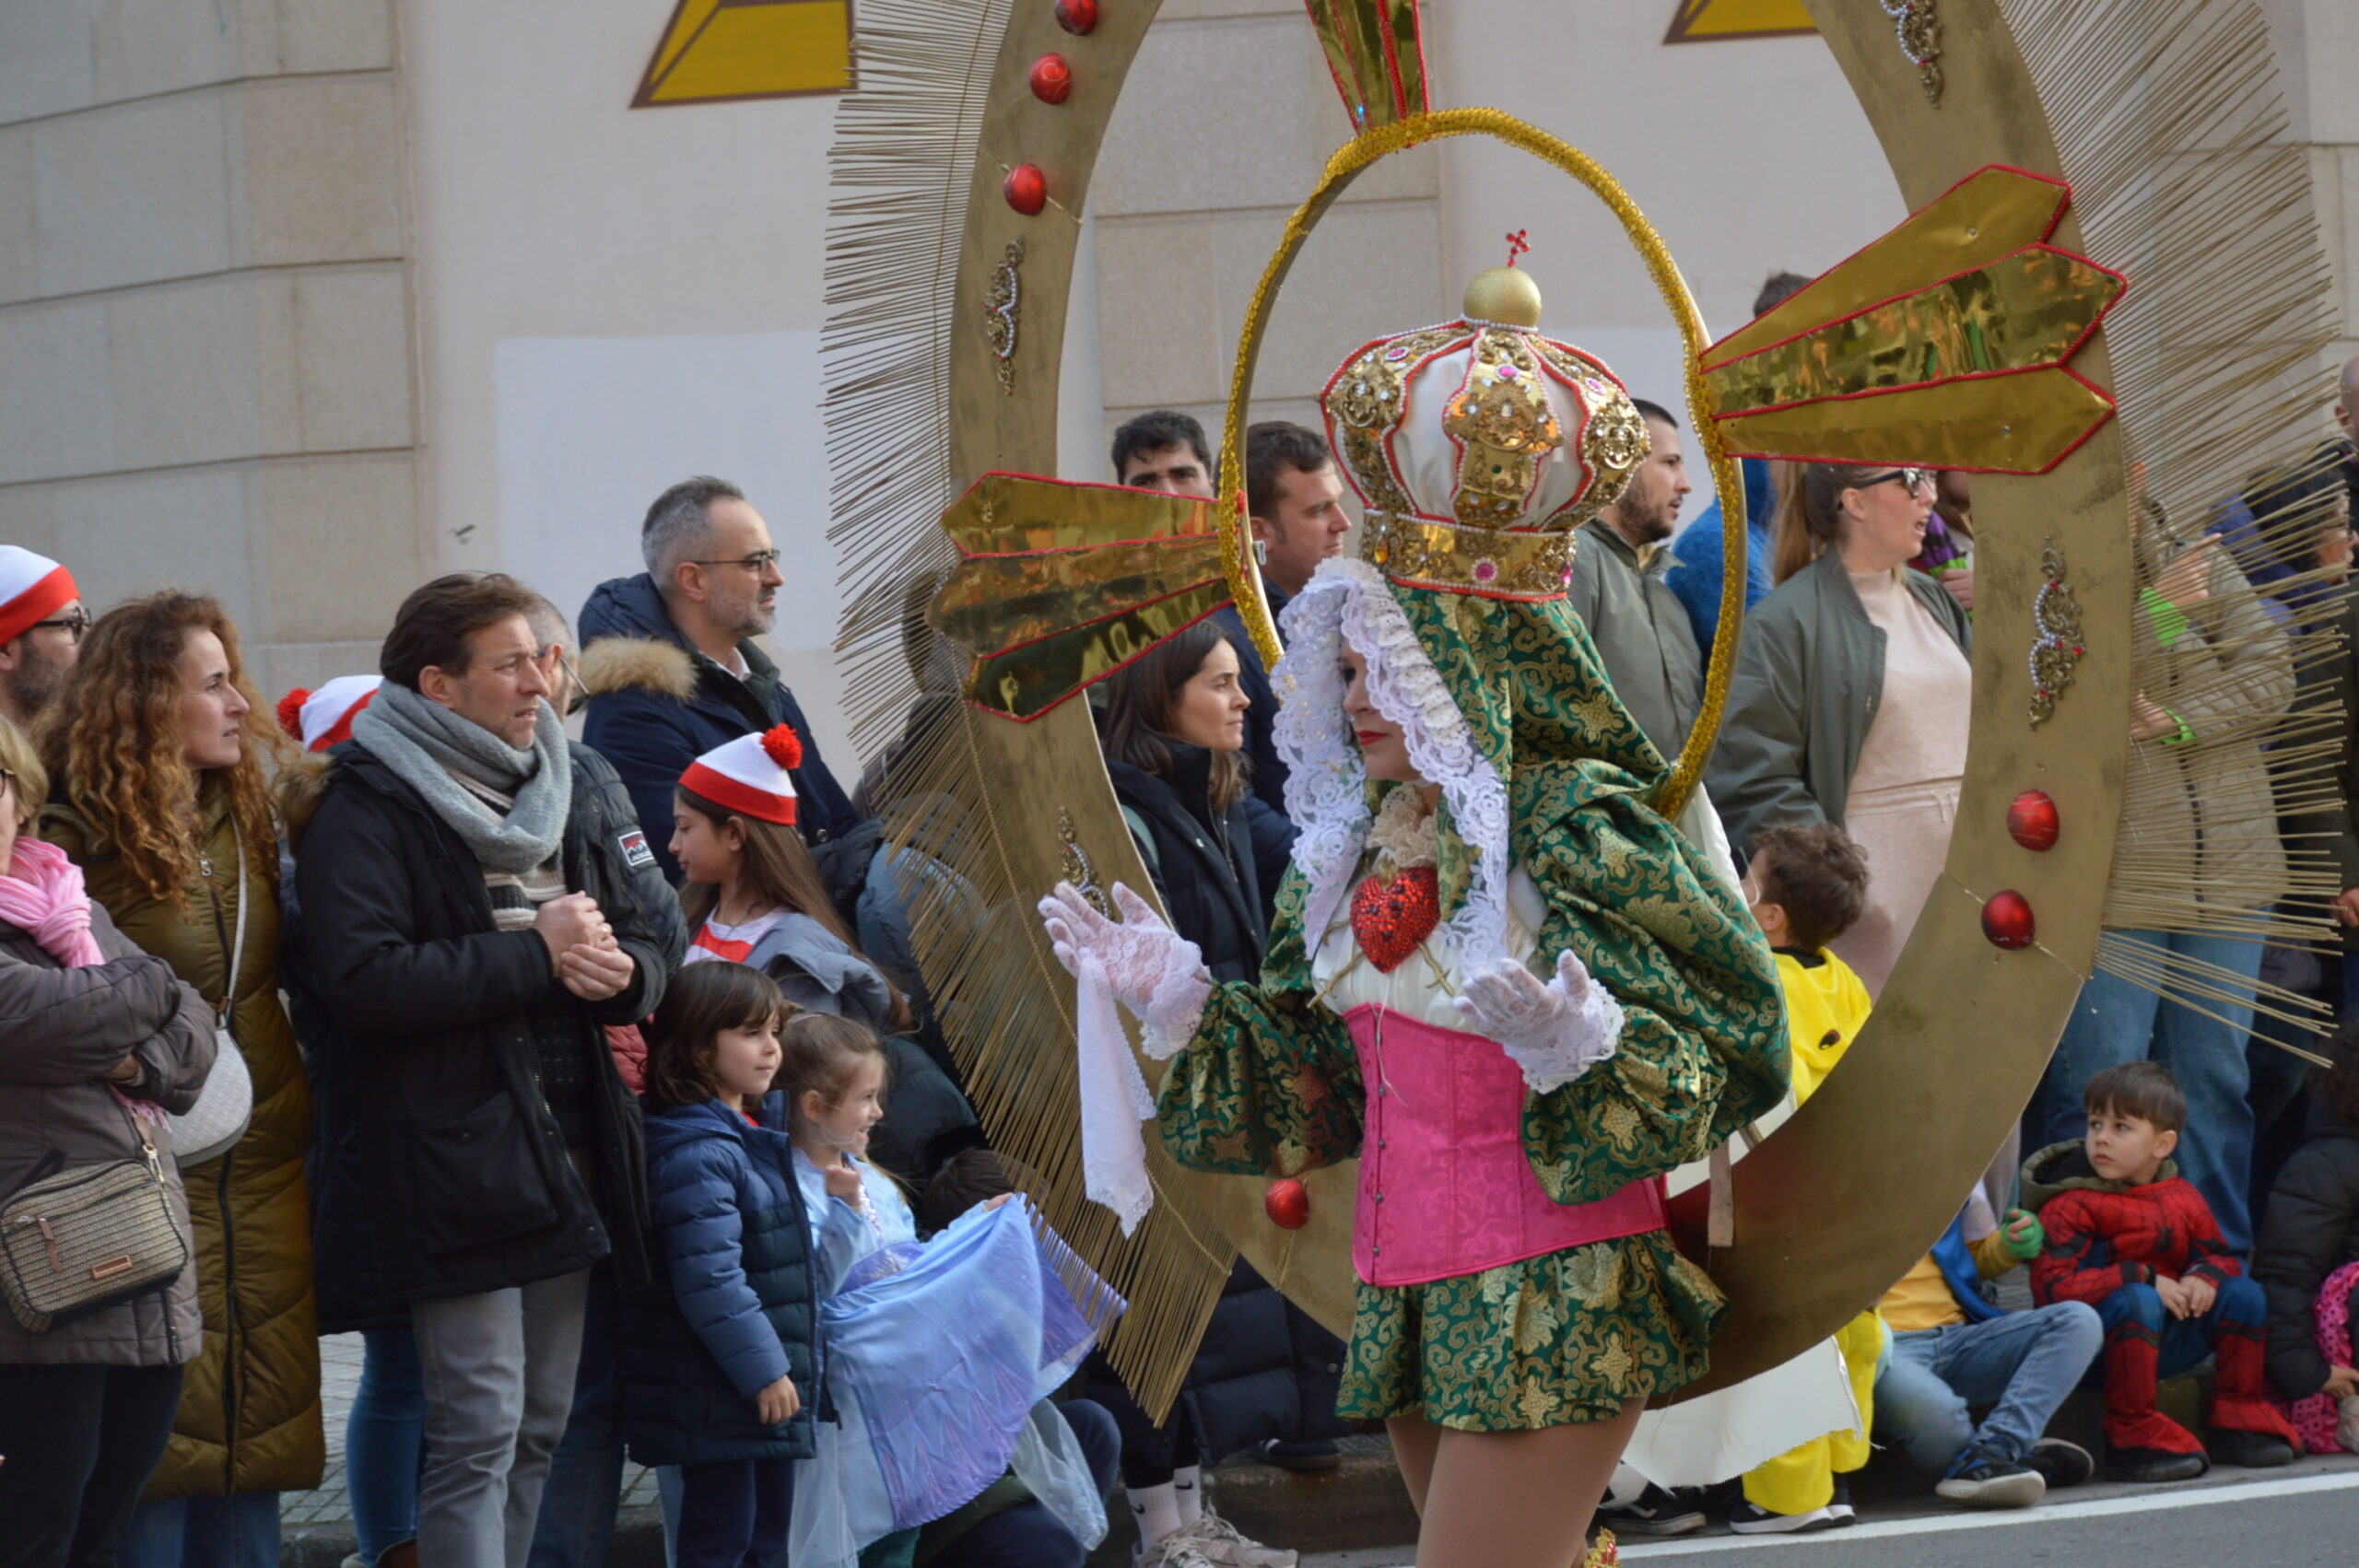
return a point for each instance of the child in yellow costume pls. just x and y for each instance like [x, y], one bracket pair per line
[1804, 887]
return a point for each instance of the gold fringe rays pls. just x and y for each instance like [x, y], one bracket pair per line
[904, 150]
[2168, 119]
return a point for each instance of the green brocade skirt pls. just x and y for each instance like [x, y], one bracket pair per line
[1566, 1336]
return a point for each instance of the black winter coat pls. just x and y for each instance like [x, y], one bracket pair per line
[1201, 860]
[652, 715]
[351, 1297]
[464, 1176]
[1264, 1370]
[2310, 1230]
[733, 1307]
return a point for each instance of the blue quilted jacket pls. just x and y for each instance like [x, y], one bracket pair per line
[731, 1311]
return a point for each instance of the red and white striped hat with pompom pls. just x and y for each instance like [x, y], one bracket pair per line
[321, 718]
[32, 588]
[748, 776]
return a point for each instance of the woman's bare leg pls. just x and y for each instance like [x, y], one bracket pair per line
[1518, 1499]
[1413, 1449]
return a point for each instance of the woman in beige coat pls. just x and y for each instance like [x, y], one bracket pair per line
[2199, 813]
[94, 1047]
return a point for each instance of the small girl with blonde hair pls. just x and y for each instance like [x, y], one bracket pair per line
[939, 1357]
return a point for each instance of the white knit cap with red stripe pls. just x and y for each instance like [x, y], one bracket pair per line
[748, 776]
[32, 588]
[321, 718]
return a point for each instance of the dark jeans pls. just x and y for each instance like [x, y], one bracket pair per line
[237, 1531]
[385, 1437]
[585, 1480]
[734, 1515]
[78, 1442]
[1028, 1536]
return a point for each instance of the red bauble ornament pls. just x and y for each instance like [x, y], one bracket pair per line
[1076, 16]
[1052, 78]
[2006, 920]
[2031, 820]
[1287, 1204]
[1391, 917]
[1027, 189]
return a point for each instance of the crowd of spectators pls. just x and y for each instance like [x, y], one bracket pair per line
[413, 934]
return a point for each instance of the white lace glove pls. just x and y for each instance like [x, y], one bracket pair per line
[1554, 1031]
[1155, 972]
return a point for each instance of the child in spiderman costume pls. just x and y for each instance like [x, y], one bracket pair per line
[2132, 1238]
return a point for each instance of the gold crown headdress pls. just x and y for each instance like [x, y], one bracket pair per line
[1478, 447]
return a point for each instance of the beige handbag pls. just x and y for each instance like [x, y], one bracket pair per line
[75, 1242]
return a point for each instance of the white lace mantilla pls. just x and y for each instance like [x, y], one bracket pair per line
[1348, 602]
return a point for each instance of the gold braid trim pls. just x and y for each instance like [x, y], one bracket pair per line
[1381, 141]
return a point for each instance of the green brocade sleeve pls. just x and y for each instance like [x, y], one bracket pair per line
[1270, 1084]
[1703, 1048]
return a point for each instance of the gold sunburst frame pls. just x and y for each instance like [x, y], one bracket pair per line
[2081, 90]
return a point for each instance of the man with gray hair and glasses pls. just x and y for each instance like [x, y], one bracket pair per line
[671, 665]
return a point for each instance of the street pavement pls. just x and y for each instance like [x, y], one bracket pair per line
[2306, 1516]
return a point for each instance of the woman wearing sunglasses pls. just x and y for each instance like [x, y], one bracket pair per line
[1850, 703]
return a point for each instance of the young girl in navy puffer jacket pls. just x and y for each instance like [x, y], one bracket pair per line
[719, 1358]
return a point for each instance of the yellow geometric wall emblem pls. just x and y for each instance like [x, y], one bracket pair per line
[1703, 22]
[716, 50]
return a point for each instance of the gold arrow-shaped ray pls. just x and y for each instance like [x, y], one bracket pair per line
[1947, 343]
[1061, 585]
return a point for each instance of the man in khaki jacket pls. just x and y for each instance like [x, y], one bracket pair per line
[1642, 632]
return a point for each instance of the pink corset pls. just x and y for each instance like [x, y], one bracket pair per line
[1445, 1188]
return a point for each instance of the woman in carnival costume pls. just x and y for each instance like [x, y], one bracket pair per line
[1498, 978]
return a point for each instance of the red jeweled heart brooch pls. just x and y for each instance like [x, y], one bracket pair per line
[1392, 915]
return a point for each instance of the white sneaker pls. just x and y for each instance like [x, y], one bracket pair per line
[1228, 1547]
[1178, 1550]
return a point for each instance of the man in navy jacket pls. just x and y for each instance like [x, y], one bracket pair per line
[671, 665]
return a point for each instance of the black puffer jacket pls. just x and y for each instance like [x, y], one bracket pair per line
[733, 1307]
[2311, 1229]
[1201, 859]
[1264, 1370]
[464, 1176]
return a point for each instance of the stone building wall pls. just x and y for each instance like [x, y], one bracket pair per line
[206, 367]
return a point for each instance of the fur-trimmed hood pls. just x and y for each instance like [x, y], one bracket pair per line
[637, 663]
[300, 788]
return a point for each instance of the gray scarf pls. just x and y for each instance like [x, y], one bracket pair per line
[424, 742]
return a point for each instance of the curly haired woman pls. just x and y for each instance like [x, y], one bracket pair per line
[154, 749]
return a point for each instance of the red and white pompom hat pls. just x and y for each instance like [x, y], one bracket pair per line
[32, 588]
[323, 717]
[748, 775]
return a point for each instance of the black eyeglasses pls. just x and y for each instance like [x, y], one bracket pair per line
[758, 562]
[72, 626]
[1911, 479]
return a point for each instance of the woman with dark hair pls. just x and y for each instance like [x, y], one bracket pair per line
[1174, 736]
[1850, 699]
[154, 749]
[97, 1040]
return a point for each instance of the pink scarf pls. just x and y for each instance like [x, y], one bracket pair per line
[42, 896]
